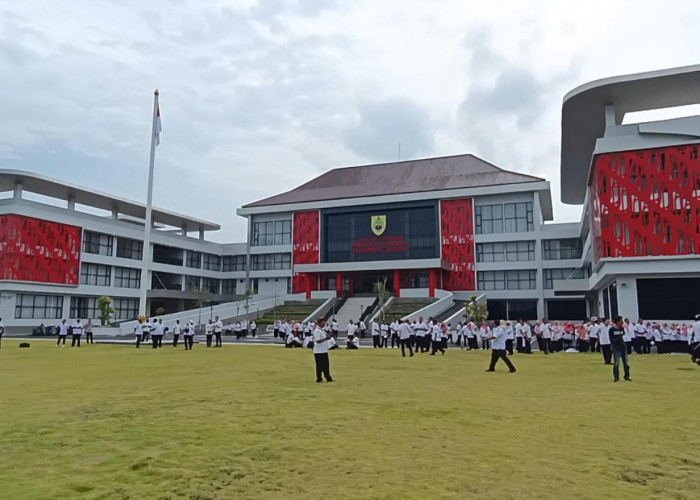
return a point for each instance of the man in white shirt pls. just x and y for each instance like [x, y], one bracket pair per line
[321, 339]
[177, 329]
[385, 335]
[604, 340]
[640, 332]
[527, 337]
[353, 341]
[498, 347]
[335, 326]
[253, 328]
[519, 345]
[422, 336]
[189, 335]
[363, 329]
[157, 333]
[209, 331]
[375, 334]
[2, 331]
[545, 337]
[593, 334]
[62, 333]
[405, 337]
[436, 334]
[146, 330]
[218, 328]
[510, 337]
[394, 330]
[694, 340]
[138, 331]
[352, 329]
[77, 333]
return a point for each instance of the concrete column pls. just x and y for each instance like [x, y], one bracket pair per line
[115, 213]
[307, 285]
[201, 233]
[184, 230]
[397, 283]
[17, 195]
[432, 282]
[71, 203]
[339, 284]
[627, 304]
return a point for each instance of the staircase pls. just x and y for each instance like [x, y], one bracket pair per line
[443, 316]
[351, 310]
[399, 307]
[293, 309]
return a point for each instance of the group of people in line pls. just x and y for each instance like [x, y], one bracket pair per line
[76, 331]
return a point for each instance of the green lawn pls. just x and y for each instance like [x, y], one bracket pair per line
[250, 422]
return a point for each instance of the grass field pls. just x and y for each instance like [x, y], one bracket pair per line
[114, 422]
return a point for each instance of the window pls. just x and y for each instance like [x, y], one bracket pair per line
[561, 274]
[129, 249]
[520, 250]
[84, 307]
[194, 259]
[228, 287]
[95, 274]
[271, 261]
[212, 262]
[191, 282]
[125, 309]
[126, 277]
[489, 219]
[518, 217]
[521, 280]
[491, 280]
[97, 243]
[38, 306]
[210, 285]
[268, 233]
[233, 263]
[490, 252]
[562, 249]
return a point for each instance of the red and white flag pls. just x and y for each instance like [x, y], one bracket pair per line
[158, 128]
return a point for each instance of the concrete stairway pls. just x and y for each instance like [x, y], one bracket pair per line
[351, 310]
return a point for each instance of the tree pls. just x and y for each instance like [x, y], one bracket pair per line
[248, 295]
[476, 311]
[382, 295]
[104, 304]
[200, 296]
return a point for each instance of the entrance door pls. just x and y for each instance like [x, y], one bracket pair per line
[365, 281]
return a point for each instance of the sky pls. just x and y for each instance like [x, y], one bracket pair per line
[258, 97]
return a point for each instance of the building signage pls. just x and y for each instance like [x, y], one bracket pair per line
[378, 224]
[383, 244]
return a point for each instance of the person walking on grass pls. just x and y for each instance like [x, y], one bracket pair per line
[189, 335]
[89, 339]
[2, 331]
[177, 329]
[619, 349]
[218, 328]
[498, 347]
[405, 337]
[209, 331]
[321, 339]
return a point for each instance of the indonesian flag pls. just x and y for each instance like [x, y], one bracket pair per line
[158, 127]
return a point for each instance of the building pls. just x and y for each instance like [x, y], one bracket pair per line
[455, 223]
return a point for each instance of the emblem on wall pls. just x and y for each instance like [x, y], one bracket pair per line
[378, 224]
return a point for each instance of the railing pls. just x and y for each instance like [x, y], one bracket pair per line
[435, 308]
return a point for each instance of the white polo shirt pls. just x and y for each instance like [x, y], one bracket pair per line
[323, 346]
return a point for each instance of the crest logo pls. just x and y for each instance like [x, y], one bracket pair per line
[378, 224]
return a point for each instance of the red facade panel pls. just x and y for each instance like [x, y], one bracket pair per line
[39, 250]
[307, 235]
[646, 202]
[457, 231]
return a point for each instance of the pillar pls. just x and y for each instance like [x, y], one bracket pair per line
[71, 203]
[351, 279]
[432, 282]
[339, 284]
[17, 195]
[397, 283]
[307, 284]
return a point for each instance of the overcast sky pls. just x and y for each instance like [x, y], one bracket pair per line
[258, 97]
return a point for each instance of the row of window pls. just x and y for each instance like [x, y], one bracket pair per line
[504, 218]
[278, 232]
[513, 251]
[101, 275]
[271, 261]
[102, 244]
[29, 306]
[525, 279]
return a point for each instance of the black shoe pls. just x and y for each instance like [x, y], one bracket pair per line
[616, 380]
[490, 370]
[329, 380]
[628, 380]
[512, 371]
[319, 381]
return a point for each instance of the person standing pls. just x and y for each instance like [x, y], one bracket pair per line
[617, 341]
[640, 332]
[2, 331]
[436, 333]
[545, 339]
[321, 339]
[157, 334]
[527, 337]
[694, 340]
[77, 330]
[604, 340]
[62, 333]
[498, 347]
[422, 336]
[138, 331]
[375, 334]
[363, 329]
[519, 344]
[394, 329]
[405, 337]
[510, 338]
[209, 331]
[335, 326]
[352, 329]
[253, 328]
[89, 339]
[146, 330]
[189, 335]
[218, 328]
[176, 332]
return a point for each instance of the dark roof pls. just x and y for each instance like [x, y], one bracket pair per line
[412, 176]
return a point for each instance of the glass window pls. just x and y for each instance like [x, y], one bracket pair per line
[210, 285]
[212, 262]
[520, 250]
[490, 252]
[84, 307]
[561, 274]
[29, 306]
[97, 243]
[125, 309]
[129, 249]
[126, 277]
[271, 261]
[489, 219]
[522, 279]
[491, 280]
[194, 259]
[571, 248]
[191, 282]
[233, 263]
[268, 233]
[518, 217]
[95, 274]
[228, 287]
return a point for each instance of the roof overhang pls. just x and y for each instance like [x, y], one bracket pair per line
[583, 117]
[45, 186]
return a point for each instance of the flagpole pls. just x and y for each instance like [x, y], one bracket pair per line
[148, 223]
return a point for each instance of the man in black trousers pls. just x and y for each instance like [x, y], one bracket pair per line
[498, 347]
[321, 339]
